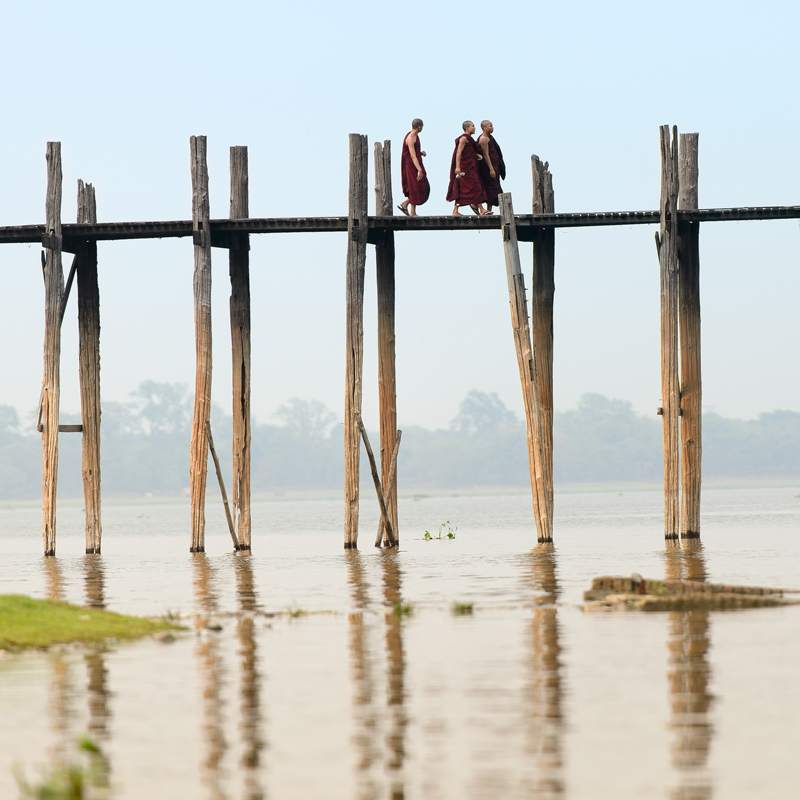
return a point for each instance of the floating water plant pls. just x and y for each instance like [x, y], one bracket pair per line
[403, 609]
[450, 534]
[462, 609]
[86, 779]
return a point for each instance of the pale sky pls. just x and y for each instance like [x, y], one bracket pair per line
[583, 85]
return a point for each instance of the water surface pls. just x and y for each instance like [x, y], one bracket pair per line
[528, 697]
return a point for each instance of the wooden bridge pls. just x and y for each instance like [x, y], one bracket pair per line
[677, 243]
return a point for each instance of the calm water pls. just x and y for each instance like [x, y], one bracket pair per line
[528, 697]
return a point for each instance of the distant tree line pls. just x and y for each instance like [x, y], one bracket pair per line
[145, 447]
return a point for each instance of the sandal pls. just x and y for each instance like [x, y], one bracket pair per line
[404, 210]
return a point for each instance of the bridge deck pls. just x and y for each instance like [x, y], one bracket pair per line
[112, 231]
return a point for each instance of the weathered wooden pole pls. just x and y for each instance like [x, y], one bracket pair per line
[542, 292]
[51, 383]
[534, 419]
[689, 321]
[387, 378]
[198, 453]
[667, 245]
[354, 334]
[89, 358]
[239, 267]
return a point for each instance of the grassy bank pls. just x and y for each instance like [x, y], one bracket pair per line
[25, 622]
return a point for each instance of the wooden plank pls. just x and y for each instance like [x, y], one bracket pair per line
[228, 517]
[89, 371]
[354, 332]
[534, 422]
[383, 537]
[387, 376]
[51, 383]
[198, 453]
[542, 295]
[239, 268]
[667, 244]
[376, 479]
[689, 325]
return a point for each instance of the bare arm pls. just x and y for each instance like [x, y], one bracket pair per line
[411, 141]
[484, 142]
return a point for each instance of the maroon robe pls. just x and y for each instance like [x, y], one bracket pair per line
[492, 185]
[466, 190]
[416, 191]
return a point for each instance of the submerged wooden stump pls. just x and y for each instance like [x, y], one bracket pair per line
[611, 593]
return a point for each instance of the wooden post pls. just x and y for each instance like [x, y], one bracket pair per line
[198, 453]
[356, 262]
[542, 291]
[382, 538]
[228, 516]
[387, 379]
[89, 358]
[667, 244]
[51, 383]
[376, 479]
[239, 267]
[542, 500]
[689, 320]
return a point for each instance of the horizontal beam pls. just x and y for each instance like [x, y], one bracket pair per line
[73, 235]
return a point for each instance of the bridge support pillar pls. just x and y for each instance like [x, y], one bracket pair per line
[357, 228]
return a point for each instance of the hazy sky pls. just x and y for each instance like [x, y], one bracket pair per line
[584, 85]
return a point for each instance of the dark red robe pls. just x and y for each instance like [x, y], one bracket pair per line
[492, 185]
[416, 191]
[466, 190]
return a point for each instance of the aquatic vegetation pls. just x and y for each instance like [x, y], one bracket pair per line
[294, 611]
[28, 622]
[403, 608]
[451, 532]
[462, 609]
[86, 779]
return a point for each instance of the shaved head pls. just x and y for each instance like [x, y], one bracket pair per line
[465, 124]
[416, 123]
[485, 124]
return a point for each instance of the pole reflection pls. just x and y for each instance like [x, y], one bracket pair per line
[61, 690]
[361, 667]
[395, 657]
[545, 687]
[212, 672]
[689, 676]
[250, 699]
[96, 671]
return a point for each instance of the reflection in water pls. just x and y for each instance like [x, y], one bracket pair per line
[212, 673]
[361, 664]
[61, 691]
[392, 594]
[689, 676]
[96, 672]
[250, 697]
[545, 689]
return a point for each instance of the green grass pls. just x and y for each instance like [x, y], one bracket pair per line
[462, 609]
[403, 609]
[25, 622]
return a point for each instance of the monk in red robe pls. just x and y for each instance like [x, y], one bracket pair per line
[415, 180]
[492, 168]
[465, 187]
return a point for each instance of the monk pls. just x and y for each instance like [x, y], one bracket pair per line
[465, 185]
[492, 168]
[415, 180]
